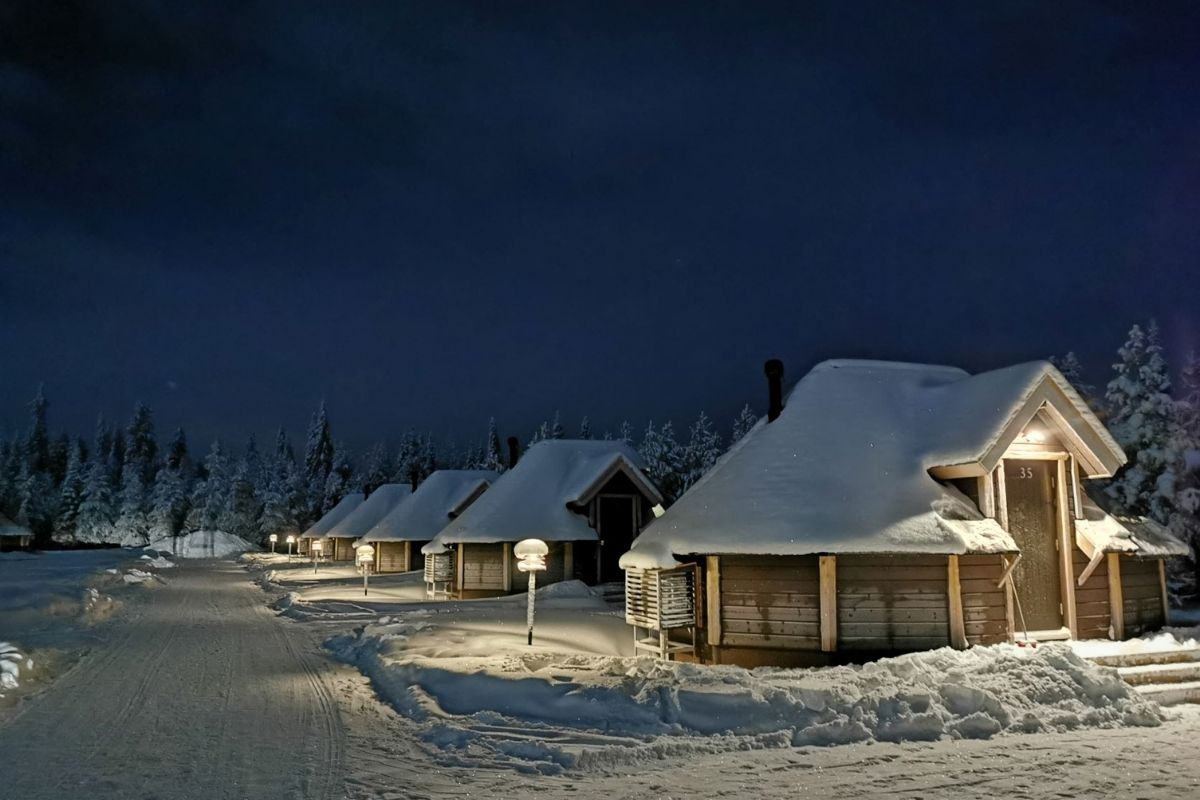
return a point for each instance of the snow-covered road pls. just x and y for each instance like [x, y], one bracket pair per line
[199, 691]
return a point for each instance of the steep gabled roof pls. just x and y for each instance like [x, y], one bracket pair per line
[10, 528]
[846, 466]
[378, 505]
[335, 515]
[439, 498]
[542, 496]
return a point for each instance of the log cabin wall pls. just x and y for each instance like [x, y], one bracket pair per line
[1142, 593]
[892, 603]
[769, 609]
[1092, 613]
[985, 614]
[391, 556]
[482, 570]
[343, 549]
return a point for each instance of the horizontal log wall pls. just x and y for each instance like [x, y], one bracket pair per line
[770, 602]
[391, 556]
[1142, 593]
[984, 603]
[892, 603]
[1092, 612]
[343, 549]
[483, 567]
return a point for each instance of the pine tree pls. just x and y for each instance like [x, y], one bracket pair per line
[377, 469]
[541, 433]
[10, 477]
[556, 428]
[278, 512]
[168, 502]
[216, 488]
[663, 459]
[318, 460]
[492, 458]
[177, 451]
[702, 451]
[37, 441]
[60, 454]
[96, 510]
[341, 479]
[1185, 483]
[742, 423]
[132, 526]
[71, 494]
[141, 445]
[1139, 413]
[626, 433]
[429, 459]
[585, 428]
[241, 517]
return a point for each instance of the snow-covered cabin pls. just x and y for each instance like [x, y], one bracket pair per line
[344, 533]
[586, 499]
[411, 525]
[890, 507]
[333, 516]
[14, 536]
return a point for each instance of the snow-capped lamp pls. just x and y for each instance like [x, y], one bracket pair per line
[531, 558]
[273, 538]
[316, 546]
[364, 557]
[291, 540]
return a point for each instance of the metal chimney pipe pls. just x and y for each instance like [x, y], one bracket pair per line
[774, 370]
[514, 451]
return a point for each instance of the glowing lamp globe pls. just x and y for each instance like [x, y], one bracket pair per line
[274, 537]
[531, 555]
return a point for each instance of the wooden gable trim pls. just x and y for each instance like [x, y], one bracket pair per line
[649, 490]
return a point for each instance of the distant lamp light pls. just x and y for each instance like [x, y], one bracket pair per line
[364, 556]
[274, 537]
[291, 540]
[316, 546]
[531, 557]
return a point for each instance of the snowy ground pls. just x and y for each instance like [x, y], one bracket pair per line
[196, 689]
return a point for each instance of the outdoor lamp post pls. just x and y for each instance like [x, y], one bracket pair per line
[531, 557]
[316, 545]
[291, 540]
[274, 537]
[364, 556]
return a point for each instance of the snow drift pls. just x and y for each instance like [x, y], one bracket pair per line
[202, 544]
[581, 709]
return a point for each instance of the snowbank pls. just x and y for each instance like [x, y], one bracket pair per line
[11, 662]
[1166, 640]
[479, 695]
[202, 544]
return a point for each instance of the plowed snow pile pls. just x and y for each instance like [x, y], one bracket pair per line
[480, 695]
[202, 544]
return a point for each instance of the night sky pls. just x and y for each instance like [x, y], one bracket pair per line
[431, 213]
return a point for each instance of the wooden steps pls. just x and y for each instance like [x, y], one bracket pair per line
[1168, 677]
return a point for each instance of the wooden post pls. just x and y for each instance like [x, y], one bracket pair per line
[1162, 585]
[1001, 496]
[1066, 541]
[712, 598]
[987, 496]
[459, 572]
[828, 576]
[958, 628]
[1116, 599]
[506, 566]
[568, 560]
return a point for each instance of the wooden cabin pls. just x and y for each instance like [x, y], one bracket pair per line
[586, 499]
[320, 528]
[441, 498]
[14, 536]
[894, 507]
[343, 535]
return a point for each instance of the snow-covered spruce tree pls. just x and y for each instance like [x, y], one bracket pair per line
[60, 454]
[742, 423]
[132, 527]
[216, 489]
[70, 494]
[1185, 476]
[663, 459]
[492, 458]
[278, 513]
[318, 460]
[1068, 364]
[626, 433]
[702, 451]
[169, 501]
[10, 477]
[540, 433]
[177, 451]
[470, 458]
[429, 459]
[341, 478]
[377, 468]
[1139, 415]
[141, 445]
[241, 517]
[93, 523]
[36, 488]
[556, 427]
[585, 428]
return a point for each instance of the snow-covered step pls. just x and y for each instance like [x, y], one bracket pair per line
[1170, 694]
[1171, 672]
[1144, 657]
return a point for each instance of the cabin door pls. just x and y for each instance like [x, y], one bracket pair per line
[618, 526]
[1032, 515]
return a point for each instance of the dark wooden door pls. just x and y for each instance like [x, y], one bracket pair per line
[618, 526]
[1032, 511]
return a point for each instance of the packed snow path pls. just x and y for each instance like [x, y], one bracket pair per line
[199, 693]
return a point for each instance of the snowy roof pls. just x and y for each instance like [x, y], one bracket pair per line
[537, 497]
[378, 505]
[846, 466]
[10, 528]
[335, 515]
[1131, 535]
[431, 507]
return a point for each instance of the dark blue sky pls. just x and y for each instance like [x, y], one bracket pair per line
[432, 213]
